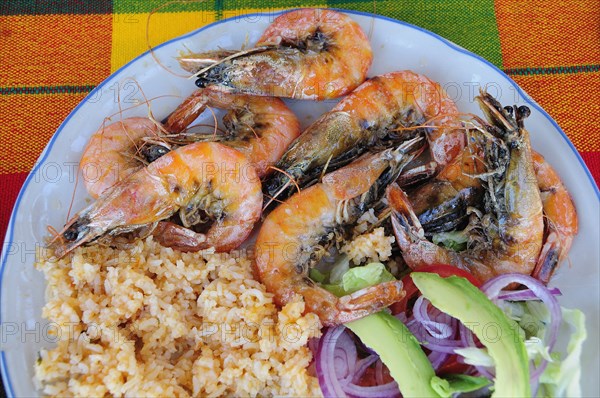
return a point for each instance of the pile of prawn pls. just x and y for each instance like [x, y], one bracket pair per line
[395, 143]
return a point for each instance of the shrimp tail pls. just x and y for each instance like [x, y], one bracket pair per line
[405, 222]
[334, 311]
[180, 238]
[372, 299]
[548, 260]
[416, 250]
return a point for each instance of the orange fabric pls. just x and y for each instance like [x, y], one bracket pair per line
[548, 32]
[566, 97]
[26, 133]
[50, 50]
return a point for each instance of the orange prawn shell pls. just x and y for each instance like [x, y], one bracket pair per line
[558, 204]
[276, 126]
[107, 158]
[350, 59]
[241, 181]
[396, 90]
[280, 238]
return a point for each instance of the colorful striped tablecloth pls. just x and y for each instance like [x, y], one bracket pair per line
[53, 53]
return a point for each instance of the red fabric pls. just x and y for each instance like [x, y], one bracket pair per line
[10, 185]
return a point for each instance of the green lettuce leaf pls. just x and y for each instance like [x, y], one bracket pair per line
[456, 383]
[357, 278]
[455, 240]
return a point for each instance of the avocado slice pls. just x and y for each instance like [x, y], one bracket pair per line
[460, 299]
[399, 350]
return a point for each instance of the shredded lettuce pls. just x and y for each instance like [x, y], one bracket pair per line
[357, 278]
[561, 377]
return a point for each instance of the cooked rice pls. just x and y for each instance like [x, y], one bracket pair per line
[374, 246]
[151, 321]
[363, 223]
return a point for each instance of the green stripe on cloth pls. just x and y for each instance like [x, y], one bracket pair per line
[37, 7]
[553, 70]
[46, 90]
[137, 6]
[471, 25]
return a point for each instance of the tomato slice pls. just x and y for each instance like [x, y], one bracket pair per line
[452, 366]
[445, 271]
[442, 270]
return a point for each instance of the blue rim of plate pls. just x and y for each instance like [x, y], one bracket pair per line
[3, 367]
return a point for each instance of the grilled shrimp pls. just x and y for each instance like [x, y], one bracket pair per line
[196, 180]
[295, 235]
[305, 54]
[514, 226]
[115, 151]
[441, 204]
[560, 218]
[368, 117]
[260, 127]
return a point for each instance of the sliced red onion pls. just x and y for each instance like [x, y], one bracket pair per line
[345, 357]
[379, 372]
[524, 295]
[436, 329]
[382, 391]
[437, 359]
[493, 287]
[313, 345]
[326, 373]
[335, 377]
[362, 366]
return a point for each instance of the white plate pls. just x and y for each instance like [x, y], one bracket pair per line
[46, 194]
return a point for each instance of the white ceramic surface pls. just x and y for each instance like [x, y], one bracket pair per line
[46, 194]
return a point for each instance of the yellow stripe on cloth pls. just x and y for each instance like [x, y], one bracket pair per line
[242, 13]
[129, 32]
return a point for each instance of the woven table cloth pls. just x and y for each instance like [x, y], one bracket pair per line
[53, 53]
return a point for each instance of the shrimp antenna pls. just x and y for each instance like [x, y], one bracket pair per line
[150, 48]
[73, 195]
[372, 24]
[291, 180]
[326, 166]
[55, 235]
[272, 199]
[150, 113]
[253, 131]
[216, 128]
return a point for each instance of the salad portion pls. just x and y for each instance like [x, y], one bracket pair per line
[453, 335]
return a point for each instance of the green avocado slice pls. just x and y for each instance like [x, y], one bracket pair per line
[399, 350]
[458, 298]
